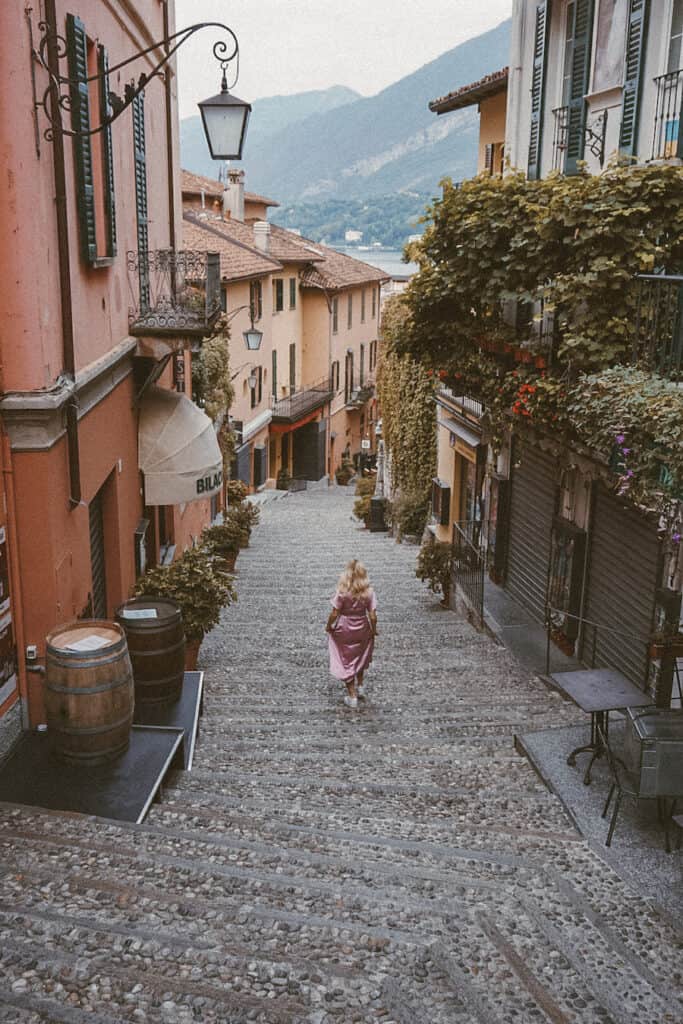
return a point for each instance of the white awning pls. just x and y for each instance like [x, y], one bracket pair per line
[177, 449]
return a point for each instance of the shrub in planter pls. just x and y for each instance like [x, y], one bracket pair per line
[236, 491]
[344, 473]
[195, 583]
[245, 516]
[283, 480]
[434, 564]
[361, 508]
[365, 486]
[409, 513]
[224, 540]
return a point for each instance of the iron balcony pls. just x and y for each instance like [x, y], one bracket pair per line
[295, 406]
[658, 342]
[667, 142]
[178, 292]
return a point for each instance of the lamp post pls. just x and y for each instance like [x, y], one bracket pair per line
[225, 117]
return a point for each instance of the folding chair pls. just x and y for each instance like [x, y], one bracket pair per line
[625, 783]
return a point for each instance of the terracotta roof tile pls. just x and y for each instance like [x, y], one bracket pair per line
[467, 95]
[337, 269]
[238, 261]
[195, 184]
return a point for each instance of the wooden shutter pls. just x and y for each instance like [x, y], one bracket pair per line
[292, 368]
[635, 52]
[77, 52]
[274, 374]
[107, 151]
[488, 158]
[538, 88]
[139, 148]
[580, 72]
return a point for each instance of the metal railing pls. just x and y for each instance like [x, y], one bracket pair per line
[668, 139]
[560, 131]
[359, 396]
[177, 291]
[293, 407]
[463, 404]
[469, 565]
[586, 641]
[658, 341]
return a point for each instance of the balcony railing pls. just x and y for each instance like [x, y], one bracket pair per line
[359, 396]
[668, 139]
[560, 129]
[179, 292]
[470, 408]
[659, 324]
[298, 405]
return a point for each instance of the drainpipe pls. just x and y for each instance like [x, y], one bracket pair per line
[68, 356]
[17, 602]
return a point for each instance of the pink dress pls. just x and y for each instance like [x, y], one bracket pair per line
[350, 640]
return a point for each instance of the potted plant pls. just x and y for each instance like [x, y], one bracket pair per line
[223, 539]
[201, 589]
[344, 473]
[283, 479]
[236, 491]
[434, 566]
[409, 513]
[245, 515]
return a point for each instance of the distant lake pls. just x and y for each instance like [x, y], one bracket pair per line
[388, 260]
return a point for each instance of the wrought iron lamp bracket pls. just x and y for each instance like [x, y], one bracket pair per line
[57, 96]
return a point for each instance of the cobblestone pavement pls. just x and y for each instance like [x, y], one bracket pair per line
[397, 864]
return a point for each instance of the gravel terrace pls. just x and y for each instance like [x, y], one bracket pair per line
[401, 863]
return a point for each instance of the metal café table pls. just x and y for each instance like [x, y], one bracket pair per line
[597, 691]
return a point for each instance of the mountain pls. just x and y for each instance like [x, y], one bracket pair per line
[269, 117]
[377, 145]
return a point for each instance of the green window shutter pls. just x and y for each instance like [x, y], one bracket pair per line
[635, 52]
[541, 30]
[274, 374]
[581, 58]
[107, 151]
[77, 55]
[292, 367]
[140, 152]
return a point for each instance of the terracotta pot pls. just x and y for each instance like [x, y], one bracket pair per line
[191, 654]
[540, 362]
[672, 646]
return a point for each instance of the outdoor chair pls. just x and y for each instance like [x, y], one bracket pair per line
[624, 782]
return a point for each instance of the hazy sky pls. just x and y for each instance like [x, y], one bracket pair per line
[289, 46]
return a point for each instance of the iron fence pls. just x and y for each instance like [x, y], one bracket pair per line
[658, 339]
[293, 407]
[668, 141]
[469, 565]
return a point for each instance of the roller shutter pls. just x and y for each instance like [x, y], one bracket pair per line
[532, 508]
[623, 576]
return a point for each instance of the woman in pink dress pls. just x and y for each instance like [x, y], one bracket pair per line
[352, 628]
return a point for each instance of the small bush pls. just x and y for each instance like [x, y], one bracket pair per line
[361, 508]
[344, 473]
[283, 480]
[409, 513]
[365, 486]
[434, 564]
[244, 516]
[237, 491]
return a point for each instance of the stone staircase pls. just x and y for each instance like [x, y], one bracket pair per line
[397, 864]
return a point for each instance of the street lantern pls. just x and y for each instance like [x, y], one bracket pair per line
[251, 380]
[225, 118]
[253, 338]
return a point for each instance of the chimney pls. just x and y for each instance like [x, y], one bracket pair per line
[262, 235]
[233, 196]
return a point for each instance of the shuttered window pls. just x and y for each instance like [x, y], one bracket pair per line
[538, 88]
[582, 33]
[635, 52]
[141, 208]
[292, 368]
[77, 50]
[273, 386]
[107, 152]
[335, 315]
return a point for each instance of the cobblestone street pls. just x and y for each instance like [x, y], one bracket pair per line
[401, 863]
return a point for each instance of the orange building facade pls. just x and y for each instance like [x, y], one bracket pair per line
[84, 221]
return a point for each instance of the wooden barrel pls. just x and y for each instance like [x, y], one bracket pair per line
[156, 643]
[89, 694]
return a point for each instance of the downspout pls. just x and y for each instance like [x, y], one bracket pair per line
[17, 603]
[68, 355]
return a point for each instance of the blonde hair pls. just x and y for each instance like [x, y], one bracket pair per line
[354, 580]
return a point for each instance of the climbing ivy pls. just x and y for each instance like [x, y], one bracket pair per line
[212, 390]
[406, 396]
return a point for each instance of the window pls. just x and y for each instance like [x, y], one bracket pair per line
[362, 306]
[256, 299]
[93, 155]
[361, 368]
[257, 392]
[292, 368]
[675, 61]
[224, 300]
[568, 54]
[292, 293]
[374, 303]
[273, 383]
[348, 376]
[335, 315]
[278, 295]
[334, 377]
[373, 355]
[349, 312]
